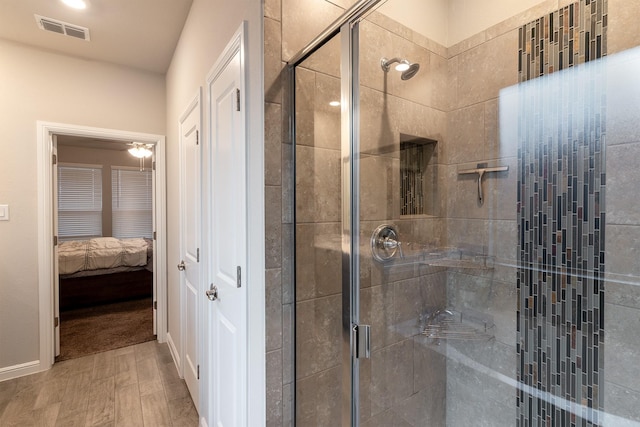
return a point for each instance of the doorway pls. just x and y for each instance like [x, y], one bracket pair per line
[104, 206]
[47, 134]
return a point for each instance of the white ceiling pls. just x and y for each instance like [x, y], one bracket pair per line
[135, 33]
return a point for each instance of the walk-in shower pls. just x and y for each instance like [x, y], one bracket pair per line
[465, 244]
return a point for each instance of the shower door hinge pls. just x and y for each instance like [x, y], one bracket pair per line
[155, 236]
[198, 255]
[238, 277]
[55, 240]
[54, 159]
[56, 322]
[197, 137]
[362, 338]
[237, 99]
[153, 165]
[155, 305]
[198, 371]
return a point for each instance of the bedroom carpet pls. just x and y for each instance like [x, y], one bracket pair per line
[92, 330]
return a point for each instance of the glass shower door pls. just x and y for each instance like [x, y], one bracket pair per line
[400, 220]
[319, 348]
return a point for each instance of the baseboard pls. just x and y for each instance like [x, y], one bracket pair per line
[16, 371]
[174, 352]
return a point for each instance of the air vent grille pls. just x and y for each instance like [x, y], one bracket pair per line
[55, 26]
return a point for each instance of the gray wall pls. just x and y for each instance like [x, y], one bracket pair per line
[72, 91]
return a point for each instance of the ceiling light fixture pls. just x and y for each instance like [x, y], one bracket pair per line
[141, 151]
[335, 103]
[76, 4]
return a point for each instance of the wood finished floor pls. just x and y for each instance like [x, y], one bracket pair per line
[131, 386]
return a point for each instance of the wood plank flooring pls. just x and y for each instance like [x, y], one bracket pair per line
[131, 386]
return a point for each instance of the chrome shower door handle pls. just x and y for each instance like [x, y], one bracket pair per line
[212, 292]
[182, 266]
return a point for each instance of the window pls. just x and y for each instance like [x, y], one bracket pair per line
[131, 195]
[79, 202]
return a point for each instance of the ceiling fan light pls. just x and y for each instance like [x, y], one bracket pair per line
[140, 151]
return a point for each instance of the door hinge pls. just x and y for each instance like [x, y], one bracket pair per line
[54, 159]
[198, 371]
[237, 99]
[55, 240]
[198, 255]
[155, 305]
[362, 335]
[238, 277]
[153, 165]
[197, 137]
[155, 236]
[56, 322]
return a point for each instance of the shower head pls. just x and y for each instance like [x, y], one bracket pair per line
[410, 72]
[407, 68]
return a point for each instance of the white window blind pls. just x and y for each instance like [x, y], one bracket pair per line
[79, 202]
[131, 193]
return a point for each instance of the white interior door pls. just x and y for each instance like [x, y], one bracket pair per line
[190, 243]
[228, 313]
[56, 279]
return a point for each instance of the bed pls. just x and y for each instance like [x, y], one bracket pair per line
[104, 270]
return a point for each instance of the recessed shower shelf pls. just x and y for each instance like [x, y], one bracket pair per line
[452, 325]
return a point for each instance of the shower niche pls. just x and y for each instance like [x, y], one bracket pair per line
[418, 176]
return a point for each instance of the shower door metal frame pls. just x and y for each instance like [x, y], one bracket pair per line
[347, 28]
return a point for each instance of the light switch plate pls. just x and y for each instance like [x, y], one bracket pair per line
[4, 212]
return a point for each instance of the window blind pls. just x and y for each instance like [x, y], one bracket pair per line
[132, 203]
[79, 202]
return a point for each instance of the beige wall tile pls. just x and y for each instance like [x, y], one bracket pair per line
[273, 9]
[273, 65]
[302, 20]
[274, 388]
[318, 185]
[623, 18]
[318, 335]
[326, 59]
[273, 227]
[485, 69]
[273, 144]
[465, 136]
[273, 297]
[318, 399]
[318, 248]
[391, 375]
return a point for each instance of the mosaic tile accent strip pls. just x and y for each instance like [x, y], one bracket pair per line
[572, 35]
[561, 219]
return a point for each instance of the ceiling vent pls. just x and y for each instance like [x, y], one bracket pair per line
[55, 26]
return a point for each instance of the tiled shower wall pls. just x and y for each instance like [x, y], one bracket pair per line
[479, 132]
[561, 215]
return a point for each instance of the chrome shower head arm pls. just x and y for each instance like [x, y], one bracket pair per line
[386, 63]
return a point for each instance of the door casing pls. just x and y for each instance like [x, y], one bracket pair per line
[46, 256]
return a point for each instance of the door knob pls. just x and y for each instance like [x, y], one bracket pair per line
[181, 266]
[212, 293]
